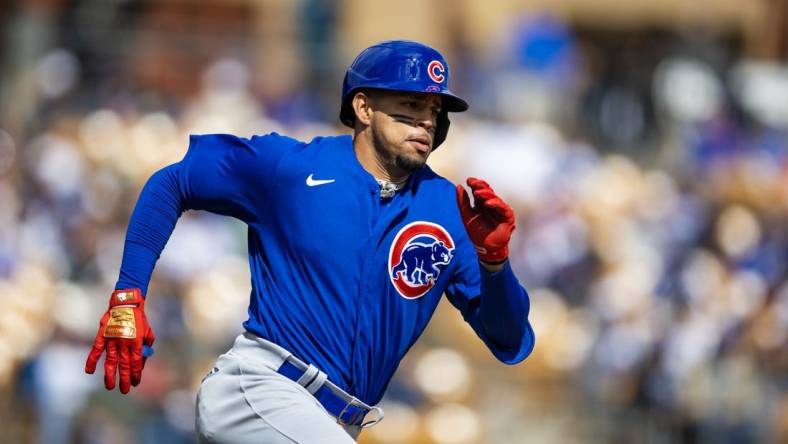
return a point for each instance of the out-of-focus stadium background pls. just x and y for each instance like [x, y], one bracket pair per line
[643, 144]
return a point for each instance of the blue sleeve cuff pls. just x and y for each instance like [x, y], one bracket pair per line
[515, 356]
[503, 292]
[488, 274]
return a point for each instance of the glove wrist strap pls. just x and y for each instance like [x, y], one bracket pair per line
[130, 296]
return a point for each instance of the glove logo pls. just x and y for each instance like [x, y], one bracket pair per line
[419, 253]
[435, 70]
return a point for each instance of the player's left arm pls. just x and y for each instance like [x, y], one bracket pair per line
[484, 288]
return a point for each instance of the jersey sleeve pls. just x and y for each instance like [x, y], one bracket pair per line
[494, 304]
[230, 175]
[220, 173]
[153, 220]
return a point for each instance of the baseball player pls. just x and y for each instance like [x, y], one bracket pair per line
[352, 243]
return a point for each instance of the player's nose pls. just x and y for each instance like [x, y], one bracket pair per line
[426, 121]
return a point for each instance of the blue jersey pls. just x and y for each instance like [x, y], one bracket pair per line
[344, 279]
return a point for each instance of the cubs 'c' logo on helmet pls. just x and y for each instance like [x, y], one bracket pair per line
[435, 70]
[419, 252]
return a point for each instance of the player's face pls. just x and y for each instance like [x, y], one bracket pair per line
[403, 128]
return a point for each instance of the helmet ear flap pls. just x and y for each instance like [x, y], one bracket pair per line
[347, 115]
[442, 129]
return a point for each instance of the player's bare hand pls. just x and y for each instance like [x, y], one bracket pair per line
[126, 337]
[489, 223]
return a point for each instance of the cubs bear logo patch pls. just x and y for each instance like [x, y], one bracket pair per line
[419, 253]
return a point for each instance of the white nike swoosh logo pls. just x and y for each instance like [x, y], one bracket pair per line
[315, 182]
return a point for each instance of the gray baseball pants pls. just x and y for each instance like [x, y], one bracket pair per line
[244, 400]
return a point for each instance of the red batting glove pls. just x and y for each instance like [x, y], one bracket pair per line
[123, 331]
[489, 224]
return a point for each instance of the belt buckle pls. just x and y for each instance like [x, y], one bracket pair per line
[356, 402]
[379, 412]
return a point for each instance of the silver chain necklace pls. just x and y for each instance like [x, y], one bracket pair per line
[389, 188]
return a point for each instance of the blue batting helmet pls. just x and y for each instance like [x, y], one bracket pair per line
[401, 65]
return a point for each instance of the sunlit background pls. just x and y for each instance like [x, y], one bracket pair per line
[643, 144]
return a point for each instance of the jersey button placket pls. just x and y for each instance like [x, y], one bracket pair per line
[364, 287]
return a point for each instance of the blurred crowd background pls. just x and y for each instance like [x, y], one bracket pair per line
[643, 144]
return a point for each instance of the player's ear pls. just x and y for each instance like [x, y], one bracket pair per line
[362, 107]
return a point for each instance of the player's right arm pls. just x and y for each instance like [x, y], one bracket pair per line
[220, 173]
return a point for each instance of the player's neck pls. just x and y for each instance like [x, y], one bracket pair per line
[372, 162]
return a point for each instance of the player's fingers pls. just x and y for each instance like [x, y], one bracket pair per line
[464, 202]
[149, 338]
[481, 190]
[499, 208]
[137, 363]
[98, 346]
[483, 194]
[95, 353]
[110, 364]
[147, 345]
[475, 183]
[125, 368]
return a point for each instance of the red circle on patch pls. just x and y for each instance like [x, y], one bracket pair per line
[401, 240]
